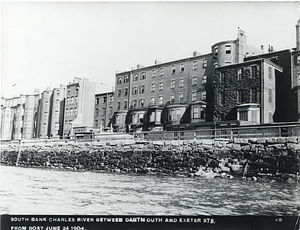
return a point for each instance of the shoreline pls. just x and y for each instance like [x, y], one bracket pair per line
[253, 159]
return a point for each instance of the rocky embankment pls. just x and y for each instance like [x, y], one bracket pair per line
[263, 158]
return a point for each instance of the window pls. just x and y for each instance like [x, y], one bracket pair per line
[152, 87]
[180, 82]
[117, 119]
[126, 79]
[72, 99]
[172, 84]
[244, 116]
[56, 113]
[195, 65]
[57, 93]
[142, 102]
[104, 98]
[253, 95]
[172, 69]
[194, 80]
[172, 97]
[134, 103]
[111, 111]
[143, 75]
[161, 86]
[160, 100]
[253, 71]
[195, 112]
[77, 88]
[239, 96]
[142, 89]
[119, 105]
[75, 111]
[152, 116]
[194, 96]
[204, 63]
[111, 98]
[202, 115]
[227, 49]
[71, 111]
[119, 80]
[136, 77]
[153, 73]
[181, 67]
[125, 104]
[178, 114]
[76, 98]
[57, 101]
[270, 95]
[161, 72]
[67, 112]
[119, 93]
[204, 79]
[96, 123]
[240, 74]
[216, 50]
[96, 112]
[203, 96]
[222, 77]
[222, 98]
[135, 90]
[152, 100]
[270, 72]
[298, 59]
[69, 90]
[158, 115]
[125, 91]
[181, 97]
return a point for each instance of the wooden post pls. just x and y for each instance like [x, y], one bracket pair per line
[19, 153]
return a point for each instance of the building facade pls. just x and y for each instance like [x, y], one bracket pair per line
[80, 106]
[246, 92]
[103, 111]
[57, 112]
[44, 121]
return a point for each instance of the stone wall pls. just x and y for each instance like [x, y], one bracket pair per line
[263, 158]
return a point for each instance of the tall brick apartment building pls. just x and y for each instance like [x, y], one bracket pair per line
[174, 95]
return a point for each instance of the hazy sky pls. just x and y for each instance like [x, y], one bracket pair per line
[48, 44]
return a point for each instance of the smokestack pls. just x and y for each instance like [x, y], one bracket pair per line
[298, 35]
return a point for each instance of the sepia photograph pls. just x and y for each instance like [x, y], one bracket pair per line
[150, 115]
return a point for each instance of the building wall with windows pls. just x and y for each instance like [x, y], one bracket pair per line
[8, 118]
[162, 85]
[30, 115]
[80, 105]
[246, 92]
[45, 114]
[103, 111]
[57, 114]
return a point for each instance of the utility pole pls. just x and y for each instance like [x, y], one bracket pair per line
[19, 153]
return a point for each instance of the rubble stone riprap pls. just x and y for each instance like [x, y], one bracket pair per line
[263, 158]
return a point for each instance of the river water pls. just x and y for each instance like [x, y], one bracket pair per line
[41, 191]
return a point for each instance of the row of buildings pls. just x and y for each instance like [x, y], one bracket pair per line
[234, 83]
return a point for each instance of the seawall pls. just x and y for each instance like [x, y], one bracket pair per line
[263, 158]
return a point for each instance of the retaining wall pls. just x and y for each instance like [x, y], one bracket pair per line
[272, 158]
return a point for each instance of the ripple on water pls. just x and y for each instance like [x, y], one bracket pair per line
[36, 191]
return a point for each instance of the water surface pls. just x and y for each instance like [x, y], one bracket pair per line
[39, 191]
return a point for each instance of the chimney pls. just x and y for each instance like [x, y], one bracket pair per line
[36, 91]
[262, 47]
[196, 53]
[139, 66]
[157, 62]
[269, 49]
[298, 35]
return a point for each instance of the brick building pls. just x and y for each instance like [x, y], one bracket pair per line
[103, 111]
